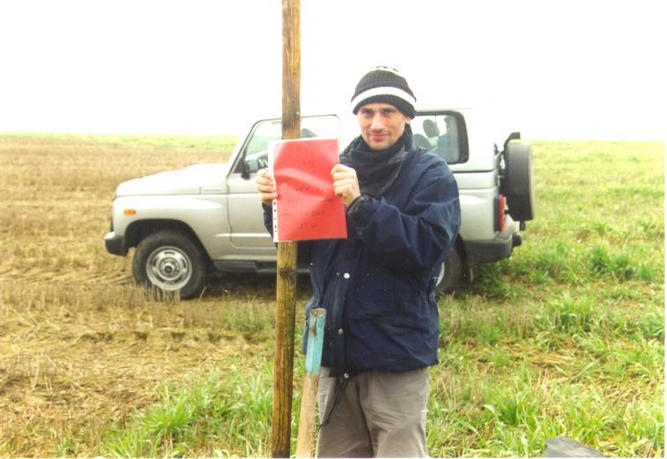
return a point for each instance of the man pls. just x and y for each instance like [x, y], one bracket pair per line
[378, 285]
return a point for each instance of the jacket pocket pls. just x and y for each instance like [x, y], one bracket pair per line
[377, 297]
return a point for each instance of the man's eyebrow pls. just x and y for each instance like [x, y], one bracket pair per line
[388, 108]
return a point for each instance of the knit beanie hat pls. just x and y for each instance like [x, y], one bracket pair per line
[384, 84]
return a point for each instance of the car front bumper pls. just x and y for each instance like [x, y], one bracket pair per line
[115, 244]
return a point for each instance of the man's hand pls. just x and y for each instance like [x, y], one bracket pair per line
[345, 183]
[266, 187]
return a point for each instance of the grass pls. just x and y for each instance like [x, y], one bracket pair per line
[565, 338]
[223, 409]
[195, 142]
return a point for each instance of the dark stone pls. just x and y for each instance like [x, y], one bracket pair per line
[566, 447]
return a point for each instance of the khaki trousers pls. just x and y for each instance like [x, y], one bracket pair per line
[379, 415]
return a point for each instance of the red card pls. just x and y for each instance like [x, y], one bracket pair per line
[307, 207]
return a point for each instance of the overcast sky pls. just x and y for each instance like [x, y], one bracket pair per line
[556, 69]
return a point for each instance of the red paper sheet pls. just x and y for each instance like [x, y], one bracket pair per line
[307, 207]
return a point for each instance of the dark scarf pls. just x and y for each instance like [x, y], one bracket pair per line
[377, 170]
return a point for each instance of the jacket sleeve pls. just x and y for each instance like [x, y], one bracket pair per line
[268, 218]
[417, 237]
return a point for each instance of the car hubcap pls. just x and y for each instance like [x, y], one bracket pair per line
[169, 268]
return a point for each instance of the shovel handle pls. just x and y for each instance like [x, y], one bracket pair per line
[306, 434]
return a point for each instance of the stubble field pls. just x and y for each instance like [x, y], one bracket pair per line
[566, 338]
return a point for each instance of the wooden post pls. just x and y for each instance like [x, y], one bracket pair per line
[306, 435]
[286, 266]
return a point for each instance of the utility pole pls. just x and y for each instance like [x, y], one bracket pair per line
[286, 265]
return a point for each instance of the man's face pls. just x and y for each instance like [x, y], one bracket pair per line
[381, 124]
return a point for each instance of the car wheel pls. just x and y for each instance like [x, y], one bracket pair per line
[170, 262]
[451, 272]
[518, 183]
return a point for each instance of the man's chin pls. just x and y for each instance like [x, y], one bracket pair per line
[377, 146]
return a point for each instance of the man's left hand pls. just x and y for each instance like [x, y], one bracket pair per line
[345, 183]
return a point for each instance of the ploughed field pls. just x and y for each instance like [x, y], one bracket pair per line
[565, 338]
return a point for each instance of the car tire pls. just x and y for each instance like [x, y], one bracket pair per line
[170, 262]
[451, 273]
[518, 182]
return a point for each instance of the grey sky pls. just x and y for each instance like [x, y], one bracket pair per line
[584, 69]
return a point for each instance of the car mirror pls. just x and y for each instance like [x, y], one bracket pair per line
[252, 165]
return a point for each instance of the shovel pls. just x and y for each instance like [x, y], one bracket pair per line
[306, 434]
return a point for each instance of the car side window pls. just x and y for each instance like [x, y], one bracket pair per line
[255, 151]
[442, 133]
[255, 154]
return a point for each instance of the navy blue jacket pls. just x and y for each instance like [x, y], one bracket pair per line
[378, 286]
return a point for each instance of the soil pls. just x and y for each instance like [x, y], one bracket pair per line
[81, 347]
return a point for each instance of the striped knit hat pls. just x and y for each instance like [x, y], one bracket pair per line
[384, 84]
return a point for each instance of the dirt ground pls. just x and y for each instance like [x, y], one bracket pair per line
[80, 346]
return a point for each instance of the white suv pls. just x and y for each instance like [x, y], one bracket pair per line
[189, 223]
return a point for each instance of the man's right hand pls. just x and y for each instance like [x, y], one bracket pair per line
[266, 187]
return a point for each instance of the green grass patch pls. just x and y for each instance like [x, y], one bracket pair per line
[228, 413]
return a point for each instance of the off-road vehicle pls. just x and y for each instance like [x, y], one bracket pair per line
[188, 224]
